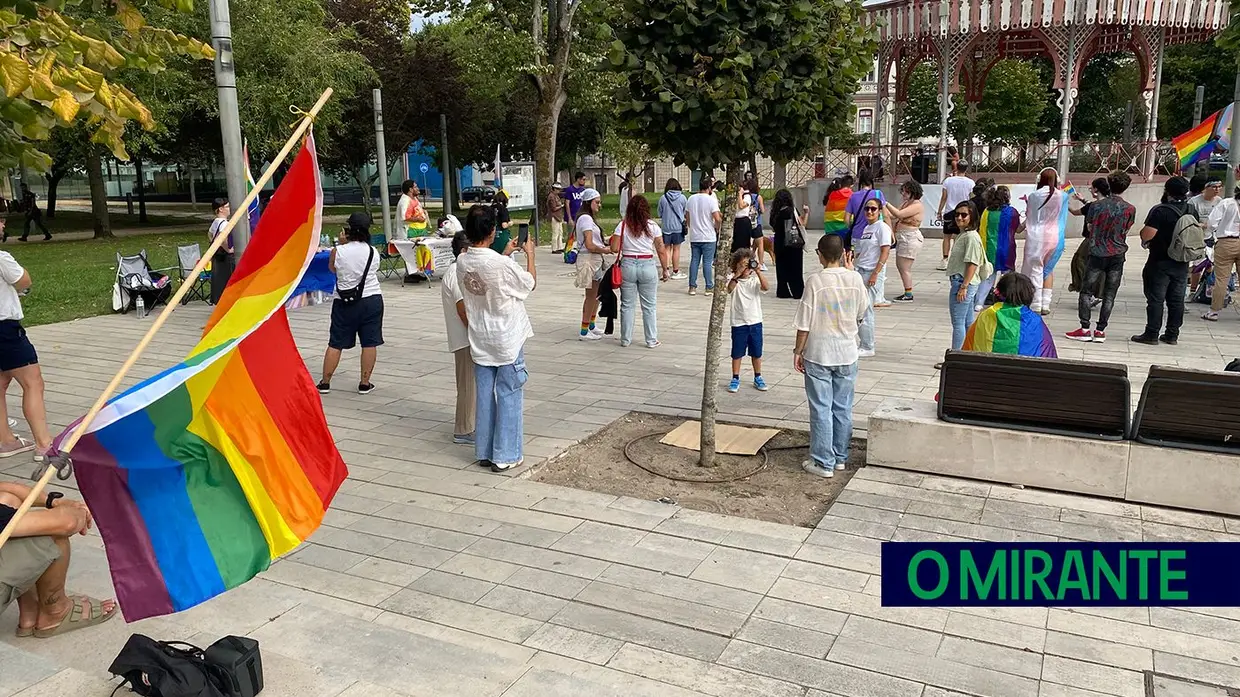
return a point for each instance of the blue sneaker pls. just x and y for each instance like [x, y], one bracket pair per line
[466, 439]
[735, 385]
[760, 384]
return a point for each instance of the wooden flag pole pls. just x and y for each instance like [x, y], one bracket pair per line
[220, 238]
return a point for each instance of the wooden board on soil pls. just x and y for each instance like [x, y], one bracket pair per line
[780, 492]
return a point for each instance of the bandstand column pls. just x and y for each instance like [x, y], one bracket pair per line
[1067, 101]
[1158, 45]
[949, 64]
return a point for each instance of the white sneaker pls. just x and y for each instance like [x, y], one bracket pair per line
[942, 265]
[979, 308]
[679, 276]
[883, 303]
[814, 469]
[589, 336]
[693, 291]
[865, 353]
[762, 267]
[597, 330]
[840, 467]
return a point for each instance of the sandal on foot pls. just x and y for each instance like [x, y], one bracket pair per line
[86, 612]
[24, 632]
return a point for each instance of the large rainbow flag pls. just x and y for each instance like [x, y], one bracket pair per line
[202, 475]
[1198, 142]
[833, 212]
[1011, 329]
[998, 231]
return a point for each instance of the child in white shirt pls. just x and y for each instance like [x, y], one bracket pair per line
[745, 286]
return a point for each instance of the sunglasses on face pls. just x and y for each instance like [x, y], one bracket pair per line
[871, 209]
[962, 214]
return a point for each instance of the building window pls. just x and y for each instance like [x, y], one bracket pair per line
[873, 74]
[865, 121]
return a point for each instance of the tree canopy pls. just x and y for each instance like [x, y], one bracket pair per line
[1012, 103]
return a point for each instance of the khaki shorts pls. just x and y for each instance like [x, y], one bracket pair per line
[588, 266]
[909, 243]
[22, 561]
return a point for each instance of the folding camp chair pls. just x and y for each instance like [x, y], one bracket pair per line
[187, 257]
[134, 278]
[390, 261]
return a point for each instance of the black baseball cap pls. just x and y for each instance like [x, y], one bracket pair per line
[359, 221]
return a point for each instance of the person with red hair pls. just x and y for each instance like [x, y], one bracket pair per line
[639, 242]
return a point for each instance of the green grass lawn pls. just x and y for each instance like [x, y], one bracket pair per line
[83, 221]
[73, 279]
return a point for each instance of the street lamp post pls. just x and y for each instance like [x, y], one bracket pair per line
[230, 119]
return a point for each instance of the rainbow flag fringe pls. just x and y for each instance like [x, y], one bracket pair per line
[202, 475]
[1010, 329]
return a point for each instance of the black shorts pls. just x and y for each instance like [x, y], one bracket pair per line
[949, 224]
[742, 233]
[359, 321]
[16, 351]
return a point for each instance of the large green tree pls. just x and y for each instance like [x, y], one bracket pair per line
[1012, 103]
[1108, 83]
[713, 81]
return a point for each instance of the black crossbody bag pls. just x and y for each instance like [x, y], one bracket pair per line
[349, 296]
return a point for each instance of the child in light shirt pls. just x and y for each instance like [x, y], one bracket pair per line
[745, 286]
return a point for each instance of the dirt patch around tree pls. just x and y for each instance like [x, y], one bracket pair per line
[778, 491]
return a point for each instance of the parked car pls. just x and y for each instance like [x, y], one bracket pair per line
[478, 194]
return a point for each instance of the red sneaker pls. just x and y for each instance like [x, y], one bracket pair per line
[1099, 336]
[1080, 335]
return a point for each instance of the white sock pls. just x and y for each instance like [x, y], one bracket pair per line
[1046, 298]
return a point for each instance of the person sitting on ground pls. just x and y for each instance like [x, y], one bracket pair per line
[1011, 326]
[34, 564]
[745, 286]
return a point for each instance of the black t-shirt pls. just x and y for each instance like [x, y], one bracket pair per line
[501, 216]
[6, 514]
[1085, 215]
[1163, 218]
[779, 223]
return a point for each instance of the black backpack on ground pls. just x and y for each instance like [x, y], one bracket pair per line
[228, 668]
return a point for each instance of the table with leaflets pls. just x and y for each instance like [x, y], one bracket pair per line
[424, 255]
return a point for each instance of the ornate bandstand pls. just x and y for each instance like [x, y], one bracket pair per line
[967, 37]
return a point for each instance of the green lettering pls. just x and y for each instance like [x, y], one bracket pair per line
[1014, 581]
[1037, 576]
[1102, 567]
[1166, 575]
[1072, 575]
[944, 575]
[1143, 557]
[970, 578]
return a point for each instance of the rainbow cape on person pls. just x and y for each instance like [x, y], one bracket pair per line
[998, 231]
[833, 213]
[1011, 329]
[202, 475]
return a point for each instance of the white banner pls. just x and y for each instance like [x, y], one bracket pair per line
[931, 193]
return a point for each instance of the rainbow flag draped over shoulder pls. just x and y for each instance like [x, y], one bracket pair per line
[998, 231]
[833, 213]
[202, 475]
[1198, 142]
[1011, 329]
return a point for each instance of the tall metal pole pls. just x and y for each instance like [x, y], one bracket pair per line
[945, 82]
[1151, 136]
[1198, 104]
[447, 168]
[381, 164]
[1233, 154]
[230, 118]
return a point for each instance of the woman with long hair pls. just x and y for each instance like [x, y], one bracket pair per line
[966, 267]
[758, 206]
[833, 204]
[789, 260]
[909, 239]
[590, 261]
[743, 223]
[1046, 220]
[672, 212]
[998, 227]
[639, 242]
[223, 261]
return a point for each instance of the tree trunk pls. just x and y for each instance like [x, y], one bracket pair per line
[718, 304]
[98, 194]
[137, 165]
[364, 183]
[546, 129]
[53, 182]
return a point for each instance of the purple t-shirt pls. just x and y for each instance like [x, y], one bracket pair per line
[572, 194]
[856, 201]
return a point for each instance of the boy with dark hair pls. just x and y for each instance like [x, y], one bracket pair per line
[1109, 219]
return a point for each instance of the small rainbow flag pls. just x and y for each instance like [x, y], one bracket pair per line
[202, 475]
[1068, 189]
[1010, 329]
[998, 230]
[1198, 142]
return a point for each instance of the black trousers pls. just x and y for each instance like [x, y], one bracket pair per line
[789, 271]
[221, 270]
[1164, 281]
[1102, 277]
[32, 221]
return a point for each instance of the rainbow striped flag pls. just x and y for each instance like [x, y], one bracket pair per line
[1068, 188]
[998, 231]
[1011, 329]
[202, 475]
[249, 186]
[1198, 142]
[833, 212]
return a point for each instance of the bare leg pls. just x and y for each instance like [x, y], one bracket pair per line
[6, 433]
[905, 267]
[1048, 281]
[31, 380]
[331, 359]
[736, 366]
[947, 246]
[675, 257]
[28, 602]
[759, 248]
[370, 354]
[757, 366]
[590, 305]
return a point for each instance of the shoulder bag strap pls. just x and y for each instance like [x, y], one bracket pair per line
[366, 271]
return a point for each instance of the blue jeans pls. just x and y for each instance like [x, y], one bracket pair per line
[961, 312]
[866, 331]
[500, 401]
[641, 280]
[830, 392]
[704, 254]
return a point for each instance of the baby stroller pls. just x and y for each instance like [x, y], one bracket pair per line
[135, 278]
[1205, 288]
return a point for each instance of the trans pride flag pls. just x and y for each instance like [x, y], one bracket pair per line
[998, 231]
[202, 475]
[1011, 329]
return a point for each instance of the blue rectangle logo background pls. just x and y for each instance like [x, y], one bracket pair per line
[1065, 574]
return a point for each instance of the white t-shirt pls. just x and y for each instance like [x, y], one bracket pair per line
[702, 209]
[747, 301]
[587, 226]
[494, 288]
[402, 208]
[831, 309]
[958, 188]
[869, 247]
[450, 292]
[351, 262]
[639, 245]
[10, 302]
[1225, 219]
[1205, 209]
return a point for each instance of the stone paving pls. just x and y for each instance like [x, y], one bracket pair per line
[433, 577]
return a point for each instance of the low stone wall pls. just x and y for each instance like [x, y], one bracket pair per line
[907, 434]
